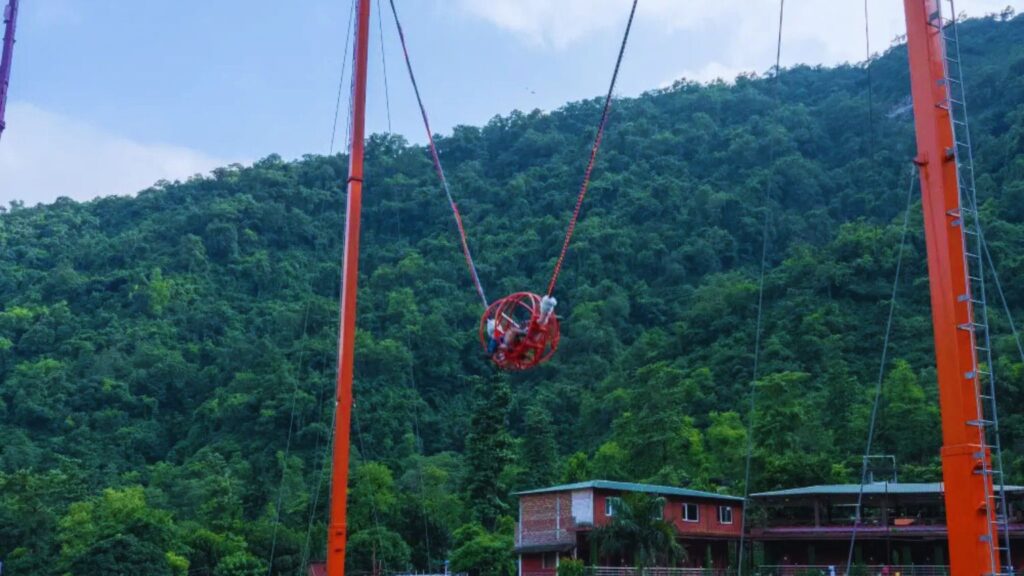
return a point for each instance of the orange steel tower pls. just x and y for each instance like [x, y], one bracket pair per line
[975, 512]
[337, 531]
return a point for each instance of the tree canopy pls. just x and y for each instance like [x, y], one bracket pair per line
[167, 360]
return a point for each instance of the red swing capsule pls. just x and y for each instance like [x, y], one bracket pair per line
[523, 334]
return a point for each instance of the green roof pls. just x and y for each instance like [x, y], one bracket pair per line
[897, 488]
[631, 487]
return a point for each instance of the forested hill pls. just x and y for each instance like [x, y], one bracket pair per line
[167, 360]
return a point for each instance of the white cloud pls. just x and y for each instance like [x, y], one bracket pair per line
[744, 31]
[708, 73]
[45, 155]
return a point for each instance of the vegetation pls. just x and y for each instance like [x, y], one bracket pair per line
[638, 531]
[167, 360]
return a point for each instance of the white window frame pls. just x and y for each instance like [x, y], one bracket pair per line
[696, 510]
[609, 506]
[721, 516]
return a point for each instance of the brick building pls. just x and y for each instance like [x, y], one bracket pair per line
[555, 523]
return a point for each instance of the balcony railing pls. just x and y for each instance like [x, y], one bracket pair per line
[657, 571]
[856, 570]
[544, 537]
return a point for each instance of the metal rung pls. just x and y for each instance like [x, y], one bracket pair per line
[980, 423]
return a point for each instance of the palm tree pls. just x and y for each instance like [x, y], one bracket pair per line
[638, 529]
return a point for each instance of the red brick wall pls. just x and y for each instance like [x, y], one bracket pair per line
[541, 515]
[707, 525]
[707, 522]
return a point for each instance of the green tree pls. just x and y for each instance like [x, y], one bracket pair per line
[377, 548]
[488, 450]
[639, 533]
[539, 452]
[241, 564]
[478, 552]
[905, 406]
[118, 530]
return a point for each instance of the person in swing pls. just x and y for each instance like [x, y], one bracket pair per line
[514, 342]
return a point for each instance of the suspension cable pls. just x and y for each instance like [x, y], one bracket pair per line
[341, 78]
[881, 371]
[419, 451]
[867, 68]
[437, 162]
[288, 444]
[760, 306]
[1002, 297]
[324, 460]
[384, 63]
[593, 153]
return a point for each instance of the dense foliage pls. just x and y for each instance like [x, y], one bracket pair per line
[167, 360]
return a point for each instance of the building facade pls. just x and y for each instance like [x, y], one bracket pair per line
[556, 522]
[903, 524]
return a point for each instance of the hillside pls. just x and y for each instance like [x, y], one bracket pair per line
[167, 360]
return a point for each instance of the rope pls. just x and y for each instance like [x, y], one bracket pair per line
[365, 457]
[881, 372]
[760, 309]
[384, 63]
[437, 162]
[419, 451]
[319, 486]
[341, 78]
[287, 446]
[867, 68]
[593, 154]
[1002, 298]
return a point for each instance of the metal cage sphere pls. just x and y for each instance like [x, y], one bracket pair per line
[520, 313]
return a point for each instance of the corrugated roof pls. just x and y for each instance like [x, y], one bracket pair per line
[869, 489]
[631, 487]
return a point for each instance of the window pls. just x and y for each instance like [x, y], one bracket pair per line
[610, 503]
[549, 560]
[725, 514]
[691, 512]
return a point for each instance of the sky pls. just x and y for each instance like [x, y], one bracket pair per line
[109, 96]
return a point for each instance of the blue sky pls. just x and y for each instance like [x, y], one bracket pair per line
[108, 96]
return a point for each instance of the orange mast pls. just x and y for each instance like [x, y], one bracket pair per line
[337, 534]
[966, 460]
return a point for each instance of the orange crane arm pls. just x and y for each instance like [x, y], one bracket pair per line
[965, 458]
[337, 535]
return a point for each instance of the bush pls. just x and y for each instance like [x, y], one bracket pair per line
[570, 567]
